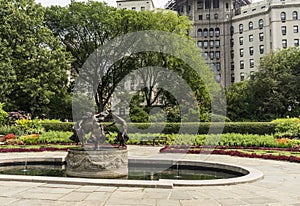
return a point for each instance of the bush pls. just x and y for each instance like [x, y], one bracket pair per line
[29, 139]
[53, 137]
[260, 128]
[25, 126]
[58, 126]
[228, 140]
[287, 127]
[3, 115]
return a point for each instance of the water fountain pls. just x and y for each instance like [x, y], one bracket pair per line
[96, 158]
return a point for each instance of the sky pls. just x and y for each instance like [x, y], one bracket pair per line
[157, 3]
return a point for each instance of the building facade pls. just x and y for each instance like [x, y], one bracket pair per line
[136, 5]
[235, 34]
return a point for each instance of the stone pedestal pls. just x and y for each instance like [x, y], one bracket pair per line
[105, 163]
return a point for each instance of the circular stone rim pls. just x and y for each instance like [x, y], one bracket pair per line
[252, 176]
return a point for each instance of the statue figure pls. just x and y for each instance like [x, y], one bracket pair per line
[91, 123]
[122, 136]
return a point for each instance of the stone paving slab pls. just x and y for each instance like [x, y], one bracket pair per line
[280, 186]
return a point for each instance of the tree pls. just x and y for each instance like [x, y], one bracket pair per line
[276, 84]
[271, 91]
[33, 63]
[83, 27]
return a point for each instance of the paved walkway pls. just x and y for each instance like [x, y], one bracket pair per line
[280, 186]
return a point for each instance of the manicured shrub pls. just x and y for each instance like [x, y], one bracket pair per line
[53, 137]
[3, 115]
[58, 126]
[186, 128]
[29, 139]
[26, 126]
[287, 127]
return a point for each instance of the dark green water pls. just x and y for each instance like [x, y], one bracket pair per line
[135, 172]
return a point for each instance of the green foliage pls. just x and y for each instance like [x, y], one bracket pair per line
[271, 90]
[229, 139]
[53, 137]
[6, 129]
[29, 139]
[287, 127]
[59, 126]
[137, 114]
[33, 63]
[3, 116]
[25, 126]
[173, 128]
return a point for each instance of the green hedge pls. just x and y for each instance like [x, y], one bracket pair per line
[58, 126]
[260, 128]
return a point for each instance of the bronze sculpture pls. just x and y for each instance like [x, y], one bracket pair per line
[92, 123]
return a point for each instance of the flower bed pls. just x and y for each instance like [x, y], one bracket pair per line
[228, 151]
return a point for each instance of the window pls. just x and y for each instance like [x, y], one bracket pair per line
[217, 32]
[217, 54]
[232, 54]
[232, 78]
[241, 40]
[295, 15]
[142, 8]
[241, 28]
[261, 36]
[283, 30]
[199, 32]
[218, 66]
[215, 4]
[211, 55]
[261, 49]
[295, 28]
[227, 6]
[251, 51]
[251, 38]
[231, 42]
[207, 16]
[200, 4]
[241, 52]
[121, 111]
[296, 42]
[207, 4]
[211, 32]
[133, 8]
[205, 44]
[261, 24]
[231, 30]
[232, 66]
[242, 64]
[283, 16]
[200, 17]
[199, 44]
[251, 63]
[217, 43]
[211, 43]
[242, 76]
[205, 33]
[284, 43]
[216, 16]
[250, 25]
[205, 55]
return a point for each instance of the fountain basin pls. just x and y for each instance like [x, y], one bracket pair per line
[247, 174]
[109, 162]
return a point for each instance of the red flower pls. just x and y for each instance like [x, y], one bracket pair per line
[10, 136]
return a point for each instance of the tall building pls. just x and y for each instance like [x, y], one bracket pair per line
[235, 34]
[137, 5]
